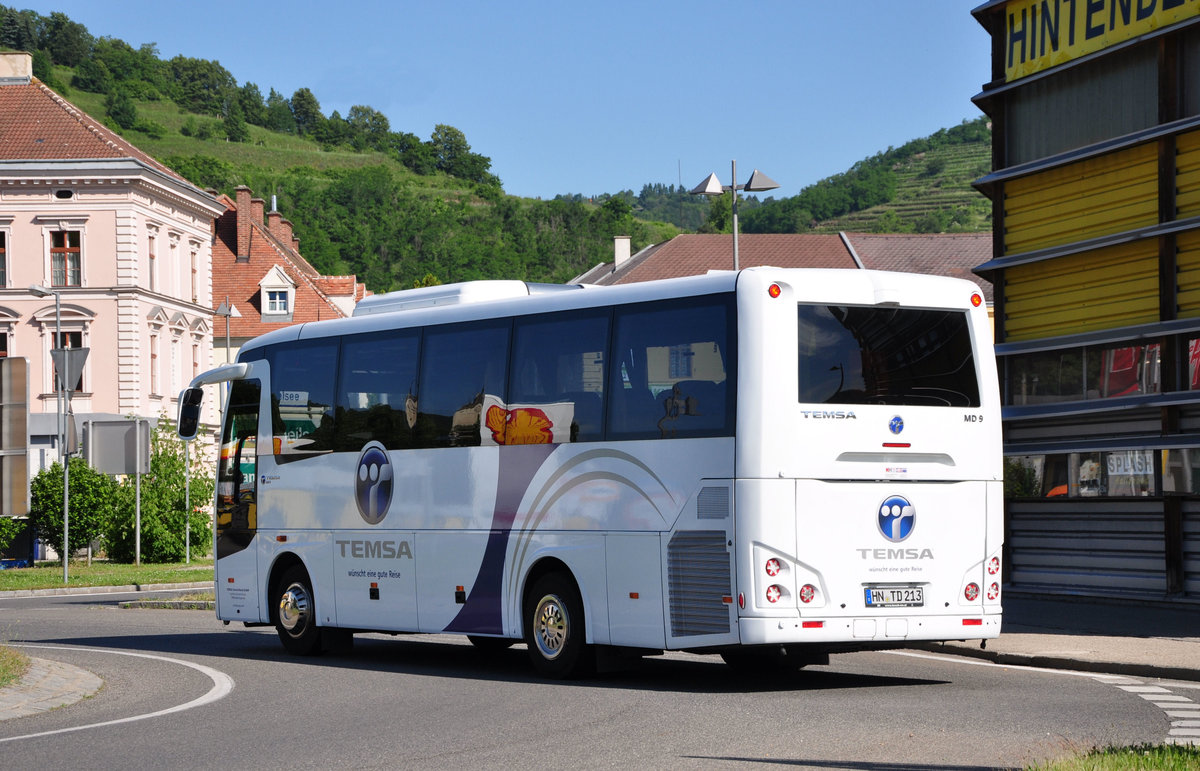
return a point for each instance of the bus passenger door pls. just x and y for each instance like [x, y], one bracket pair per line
[238, 592]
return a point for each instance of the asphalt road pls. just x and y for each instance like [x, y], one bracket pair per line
[434, 701]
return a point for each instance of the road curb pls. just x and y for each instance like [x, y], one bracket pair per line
[1042, 661]
[73, 590]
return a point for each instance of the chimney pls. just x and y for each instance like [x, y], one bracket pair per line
[285, 231]
[620, 251]
[16, 68]
[295, 245]
[243, 223]
[256, 210]
[273, 226]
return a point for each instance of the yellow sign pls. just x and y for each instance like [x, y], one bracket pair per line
[1039, 34]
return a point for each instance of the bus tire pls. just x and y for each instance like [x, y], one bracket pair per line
[295, 615]
[554, 628]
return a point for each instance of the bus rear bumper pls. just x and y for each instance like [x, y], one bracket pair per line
[868, 630]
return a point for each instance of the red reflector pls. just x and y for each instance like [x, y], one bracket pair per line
[458, 588]
[972, 622]
[281, 538]
[813, 624]
[727, 599]
[633, 595]
[742, 600]
[374, 585]
[229, 580]
[774, 290]
[897, 444]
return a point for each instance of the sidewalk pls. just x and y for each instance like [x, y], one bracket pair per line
[1121, 637]
[1125, 637]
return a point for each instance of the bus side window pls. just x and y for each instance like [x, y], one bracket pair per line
[377, 396]
[674, 374]
[461, 364]
[558, 364]
[302, 398]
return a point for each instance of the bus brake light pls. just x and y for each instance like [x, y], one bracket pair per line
[971, 593]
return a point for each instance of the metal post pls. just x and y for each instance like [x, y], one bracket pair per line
[137, 526]
[735, 222]
[62, 436]
[187, 506]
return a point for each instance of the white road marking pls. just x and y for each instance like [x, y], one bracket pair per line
[222, 685]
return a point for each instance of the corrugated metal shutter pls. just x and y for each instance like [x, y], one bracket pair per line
[1094, 197]
[1088, 546]
[1187, 174]
[1187, 262]
[1191, 548]
[1104, 289]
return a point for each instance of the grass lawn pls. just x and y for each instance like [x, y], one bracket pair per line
[1147, 757]
[49, 575]
[12, 666]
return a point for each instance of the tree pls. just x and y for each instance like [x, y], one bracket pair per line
[235, 125]
[250, 99]
[165, 509]
[121, 109]
[93, 75]
[10, 527]
[92, 500]
[69, 41]
[307, 112]
[279, 114]
[200, 85]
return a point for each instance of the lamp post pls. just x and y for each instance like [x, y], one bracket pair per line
[60, 391]
[757, 183]
[228, 311]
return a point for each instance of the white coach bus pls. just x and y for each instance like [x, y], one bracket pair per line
[767, 464]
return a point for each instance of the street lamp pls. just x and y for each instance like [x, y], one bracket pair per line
[228, 311]
[757, 183]
[60, 391]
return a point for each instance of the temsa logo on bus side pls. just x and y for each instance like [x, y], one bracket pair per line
[388, 550]
[896, 554]
[829, 414]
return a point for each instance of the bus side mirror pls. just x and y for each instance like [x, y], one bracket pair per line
[189, 413]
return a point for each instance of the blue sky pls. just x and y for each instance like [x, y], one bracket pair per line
[568, 97]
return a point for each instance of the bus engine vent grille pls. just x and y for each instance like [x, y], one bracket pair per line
[713, 503]
[698, 574]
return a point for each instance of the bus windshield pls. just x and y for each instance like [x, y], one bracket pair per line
[885, 355]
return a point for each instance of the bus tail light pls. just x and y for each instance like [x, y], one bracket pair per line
[993, 566]
[773, 567]
[993, 592]
[807, 592]
[971, 593]
[774, 592]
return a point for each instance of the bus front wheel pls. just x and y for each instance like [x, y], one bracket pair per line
[295, 618]
[554, 628]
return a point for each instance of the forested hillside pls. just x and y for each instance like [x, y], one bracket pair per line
[397, 210]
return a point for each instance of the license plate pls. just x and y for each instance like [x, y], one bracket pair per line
[894, 596]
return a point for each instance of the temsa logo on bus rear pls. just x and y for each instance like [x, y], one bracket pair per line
[896, 554]
[829, 414]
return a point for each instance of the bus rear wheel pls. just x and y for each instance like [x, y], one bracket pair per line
[554, 628]
[295, 616]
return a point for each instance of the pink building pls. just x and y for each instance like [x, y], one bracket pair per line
[124, 242]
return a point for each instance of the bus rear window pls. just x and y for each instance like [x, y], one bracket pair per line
[874, 355]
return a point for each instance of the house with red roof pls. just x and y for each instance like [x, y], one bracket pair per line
[120, 247]
[261, 281]
[940, 254]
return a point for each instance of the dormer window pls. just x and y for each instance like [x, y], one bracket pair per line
[278, 296]
[277, 301]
